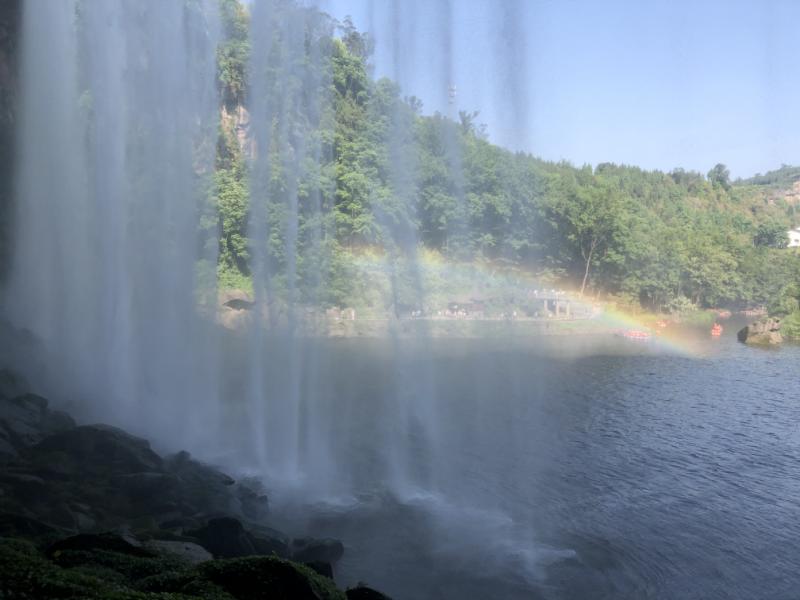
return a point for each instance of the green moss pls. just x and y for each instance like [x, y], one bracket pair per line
[25, 574]
[132, 568]
[268, 578]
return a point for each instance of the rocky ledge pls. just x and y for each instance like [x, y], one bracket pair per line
[90, 511]
[765, 332]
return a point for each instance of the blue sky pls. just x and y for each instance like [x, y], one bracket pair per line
[653, 83]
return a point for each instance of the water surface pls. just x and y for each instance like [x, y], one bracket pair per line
[562, 469]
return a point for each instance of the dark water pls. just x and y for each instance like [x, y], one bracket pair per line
[564, 471]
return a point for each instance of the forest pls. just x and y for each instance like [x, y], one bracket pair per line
[355, 173]
[396, 180]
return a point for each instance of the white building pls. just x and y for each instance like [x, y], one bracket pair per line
[794, 237]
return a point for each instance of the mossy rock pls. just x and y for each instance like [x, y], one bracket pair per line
[268, 578]
[26, 574]
[132, 568]
[100, 574]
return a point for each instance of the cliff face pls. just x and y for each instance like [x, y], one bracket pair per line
[10, 14]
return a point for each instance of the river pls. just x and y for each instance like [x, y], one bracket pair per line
[563, 468]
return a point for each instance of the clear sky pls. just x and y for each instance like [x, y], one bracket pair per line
[659, 84]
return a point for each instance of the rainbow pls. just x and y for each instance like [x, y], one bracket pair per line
[671, 338]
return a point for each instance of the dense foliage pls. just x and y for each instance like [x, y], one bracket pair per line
[318, 165]
[86, 575]
[390, 178]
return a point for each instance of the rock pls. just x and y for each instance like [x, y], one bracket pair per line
[236, 300]
[252, 499]
[24, 487]
[148, 487]
[12, 525]
[110, 542]
[763, 332]
[268, 578]
[7, 449]
[94, 449]
[26, 420]
[179, 524]
[12, 384]
[362, 592]
[270, 545]
[321, 568]
[83, 521]
[313, 550]
[188, 551]
[225, 537]
[203, 488]
[193, 471]
[238, 304]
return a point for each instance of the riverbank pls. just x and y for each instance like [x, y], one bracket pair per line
[91, 511]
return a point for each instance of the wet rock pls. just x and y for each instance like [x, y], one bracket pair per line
[225, 537]
[23, 487]
[7, 449]
[12, 525]
[268, 578]
[239, 304]
[362, 592]
[110, 542]
[179, 524]
[253, 501]
[148, 487]
[236, 299]
[26, 420]
[321, 568]
[187, 551]
[193, 471]
[93, 449]
[203, 488]
[12, 384]
[313, 550]
[765, 332]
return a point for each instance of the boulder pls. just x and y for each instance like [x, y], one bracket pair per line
[109, 542]
[7, 449]
[202, 488]
[187, 551]
[26, 420]
[236, 299]
[253, 501]
[321, 568]
[142, 487]
[97, 449]
[226, 537]
[362, 592]
[308, 550]
[268, 578]
[12, 525]
[763, 332]
[12, 384]
[22, 486]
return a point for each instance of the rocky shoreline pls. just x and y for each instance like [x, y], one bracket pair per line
[90, 511]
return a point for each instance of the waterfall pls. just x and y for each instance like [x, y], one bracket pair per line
[115, 108]
[119, 236]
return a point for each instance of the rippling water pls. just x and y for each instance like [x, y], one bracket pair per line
[606, 471]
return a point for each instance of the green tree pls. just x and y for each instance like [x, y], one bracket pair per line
[721, 176]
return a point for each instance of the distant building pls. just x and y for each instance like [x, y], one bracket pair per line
[794, 238]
